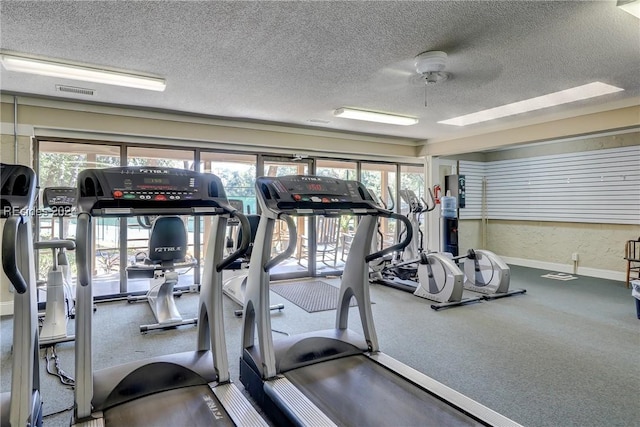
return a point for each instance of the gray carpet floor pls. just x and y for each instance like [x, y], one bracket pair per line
[566, 353]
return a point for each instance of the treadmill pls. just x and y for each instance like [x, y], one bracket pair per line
[188, 388]
[336, 376]
[22, 406]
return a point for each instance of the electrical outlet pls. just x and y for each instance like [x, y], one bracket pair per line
[574, 256]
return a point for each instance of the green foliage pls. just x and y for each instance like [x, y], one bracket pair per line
[108, 261]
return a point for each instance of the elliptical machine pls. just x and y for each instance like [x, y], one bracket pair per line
[59, 303]
[23, 405]
[485, 273]
[488, 274]
[430, 275]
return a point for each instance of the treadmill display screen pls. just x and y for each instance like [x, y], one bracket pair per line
[172, 183]
[157, 181]
[312, 185]
[316, 187]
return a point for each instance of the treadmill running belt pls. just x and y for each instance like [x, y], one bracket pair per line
[356, 391]
[189, 406]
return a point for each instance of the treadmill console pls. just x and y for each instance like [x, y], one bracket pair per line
[146, 189]
[60, 200]
[18, 189]
[319, 195]
[59, 197]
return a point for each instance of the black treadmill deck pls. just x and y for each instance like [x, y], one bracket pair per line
[188, 406]
[357, 391]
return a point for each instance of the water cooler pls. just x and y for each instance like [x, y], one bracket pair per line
[454, 188]
[449, 222]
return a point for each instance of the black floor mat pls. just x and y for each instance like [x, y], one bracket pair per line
[310, 296]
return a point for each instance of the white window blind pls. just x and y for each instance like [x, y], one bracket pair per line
[601, 186]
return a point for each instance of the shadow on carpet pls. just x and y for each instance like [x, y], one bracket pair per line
[310, 296]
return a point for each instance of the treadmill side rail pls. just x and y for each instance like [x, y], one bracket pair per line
[298, 406]
[237, 406]
[97, 421]
[457, 399]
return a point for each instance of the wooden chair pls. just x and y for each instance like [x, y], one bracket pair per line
[327, 240]
[632, 255]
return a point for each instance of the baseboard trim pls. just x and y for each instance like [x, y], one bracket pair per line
[6, 308]
[567, 268]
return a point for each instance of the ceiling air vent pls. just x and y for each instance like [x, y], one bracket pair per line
[76, 90]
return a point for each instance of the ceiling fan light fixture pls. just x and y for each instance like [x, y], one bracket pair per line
[590, 90]
[373, 116]
[431, 62]
[630, 6]
[80, 72]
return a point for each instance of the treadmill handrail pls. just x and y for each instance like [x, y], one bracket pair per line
[398, 246]
[9, 261]
[291, 247]
[244, 244]
[82, 261]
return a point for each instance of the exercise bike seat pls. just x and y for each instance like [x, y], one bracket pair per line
[167, 249]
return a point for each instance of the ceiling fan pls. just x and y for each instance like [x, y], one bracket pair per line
[435, 67]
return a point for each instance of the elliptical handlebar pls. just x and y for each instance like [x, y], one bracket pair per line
[144, 221]
[392, 205]
[244, 244]
[433, 202]
[9, 261]
[398, 246]
[291, 247]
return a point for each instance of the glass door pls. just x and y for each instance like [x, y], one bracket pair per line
[380, 179]
[298, 264]
[58, 165]
[334, 235]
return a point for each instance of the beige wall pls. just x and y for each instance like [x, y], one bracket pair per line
[44, 118]
[599, 246]
[550, 245]
[587, 124]
[469, 235]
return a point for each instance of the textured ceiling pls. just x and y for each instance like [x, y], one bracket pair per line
[295, 62]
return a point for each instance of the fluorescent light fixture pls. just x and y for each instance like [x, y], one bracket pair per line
[630, 6]
[578, 93]
[78, 72]
[371, 116]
